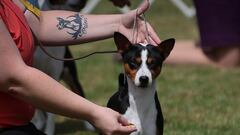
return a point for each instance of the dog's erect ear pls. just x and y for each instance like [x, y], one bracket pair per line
[121, 42]
[166, 46]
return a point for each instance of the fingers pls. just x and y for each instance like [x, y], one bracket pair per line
[153, 35]
[141, 39]
[140, 33]
[125, 126]
[123, 121]
[143, 7]
[152, 42]
[146, 35]
[126, 129]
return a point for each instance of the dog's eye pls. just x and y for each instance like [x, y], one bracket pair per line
[133, 65]
[153, 64]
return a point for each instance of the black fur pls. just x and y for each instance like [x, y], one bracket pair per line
[160, 120]
[120, 100]
[69, 75]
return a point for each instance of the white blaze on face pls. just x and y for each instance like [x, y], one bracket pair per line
[143, 70]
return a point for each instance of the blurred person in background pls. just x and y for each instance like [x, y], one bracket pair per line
[219, 45]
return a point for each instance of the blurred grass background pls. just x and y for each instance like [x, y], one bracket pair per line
[195, 100]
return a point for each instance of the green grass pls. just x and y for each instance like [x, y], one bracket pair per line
[195, 100]
[164, 17]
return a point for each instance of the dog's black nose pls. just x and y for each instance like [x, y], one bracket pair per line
[143, 81]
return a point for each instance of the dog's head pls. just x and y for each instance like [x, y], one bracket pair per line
[142, 62]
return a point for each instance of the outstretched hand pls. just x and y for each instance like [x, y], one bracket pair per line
[110, 122]
[126, 26]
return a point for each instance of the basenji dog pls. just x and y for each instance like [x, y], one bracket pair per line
[137, 98]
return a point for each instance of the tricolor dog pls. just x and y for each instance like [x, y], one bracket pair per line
[137, 98]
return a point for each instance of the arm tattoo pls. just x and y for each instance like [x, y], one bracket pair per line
[76, 24]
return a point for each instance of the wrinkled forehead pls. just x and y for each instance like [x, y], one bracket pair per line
[153, 52]
[138, 48]
[150, 49]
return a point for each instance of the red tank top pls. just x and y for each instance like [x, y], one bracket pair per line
[14, 111]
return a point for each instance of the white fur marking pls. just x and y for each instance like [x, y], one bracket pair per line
[143, 70]
[142, 111]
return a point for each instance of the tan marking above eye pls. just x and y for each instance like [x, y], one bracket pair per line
[138, 60]
[131, 73]
[149, 60]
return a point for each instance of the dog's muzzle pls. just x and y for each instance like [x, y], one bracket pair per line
[144, 80]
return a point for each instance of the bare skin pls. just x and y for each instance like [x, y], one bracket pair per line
[187, 53]
[35, 87]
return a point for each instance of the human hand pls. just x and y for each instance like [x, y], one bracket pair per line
[127, 23]
[121, 3]
[110, 122]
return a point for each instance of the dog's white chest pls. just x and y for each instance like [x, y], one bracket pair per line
[144, 119]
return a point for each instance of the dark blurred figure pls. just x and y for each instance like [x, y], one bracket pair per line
[121, 3]
[77, 5]
[72, 5]
[219, 29]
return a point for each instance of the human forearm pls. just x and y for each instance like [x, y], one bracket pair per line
[64, 27]
[37, 88]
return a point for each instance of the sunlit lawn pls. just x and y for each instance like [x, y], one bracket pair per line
[195, 100]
